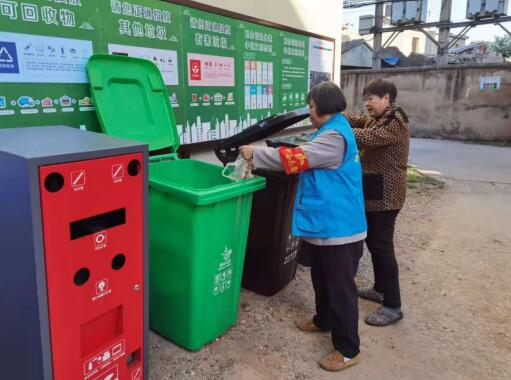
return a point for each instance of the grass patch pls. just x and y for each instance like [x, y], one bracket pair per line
[419, 181]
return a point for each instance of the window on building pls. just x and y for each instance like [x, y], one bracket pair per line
[388, 10]
[415, 44]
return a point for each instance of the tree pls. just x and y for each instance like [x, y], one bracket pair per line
[502, 45]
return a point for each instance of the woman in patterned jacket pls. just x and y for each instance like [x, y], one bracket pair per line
[383, 139]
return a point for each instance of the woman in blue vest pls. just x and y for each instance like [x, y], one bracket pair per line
[329, 216]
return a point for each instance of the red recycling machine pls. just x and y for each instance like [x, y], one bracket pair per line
[73, 250]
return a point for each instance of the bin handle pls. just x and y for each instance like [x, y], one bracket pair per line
[164, 157]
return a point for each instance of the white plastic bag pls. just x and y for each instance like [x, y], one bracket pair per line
[238, 170]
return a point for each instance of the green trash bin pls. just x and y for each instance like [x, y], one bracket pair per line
[198, 219]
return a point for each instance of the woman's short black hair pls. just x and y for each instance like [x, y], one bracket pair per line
[381, 87]
[327, 97]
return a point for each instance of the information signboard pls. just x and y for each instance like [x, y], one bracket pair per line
[223, 73]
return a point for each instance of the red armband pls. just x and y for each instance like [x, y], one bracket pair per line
[293, 160]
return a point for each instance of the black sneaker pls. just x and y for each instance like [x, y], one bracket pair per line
[383, 317]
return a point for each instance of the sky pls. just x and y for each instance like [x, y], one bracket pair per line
[458, 13]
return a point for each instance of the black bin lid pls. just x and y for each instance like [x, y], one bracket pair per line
[227, 149]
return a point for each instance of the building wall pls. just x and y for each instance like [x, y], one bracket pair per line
[444, 102]
[404, 42]
[430, 48]
[361, 56]
[348, 34]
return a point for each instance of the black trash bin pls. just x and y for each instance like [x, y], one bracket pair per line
[271, 254]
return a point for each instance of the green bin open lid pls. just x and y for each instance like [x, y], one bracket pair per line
[131, 100]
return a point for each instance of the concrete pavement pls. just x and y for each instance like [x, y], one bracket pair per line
[462, 161]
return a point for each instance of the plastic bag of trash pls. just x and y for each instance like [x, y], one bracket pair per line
[238, 170]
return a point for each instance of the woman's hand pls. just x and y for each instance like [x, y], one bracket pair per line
[247, 152]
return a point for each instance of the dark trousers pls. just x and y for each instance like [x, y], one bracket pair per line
[333, 274]
[380, 242]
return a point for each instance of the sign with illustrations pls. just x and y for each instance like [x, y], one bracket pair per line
[222, 74]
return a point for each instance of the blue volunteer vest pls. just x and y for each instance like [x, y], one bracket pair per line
[329, 202]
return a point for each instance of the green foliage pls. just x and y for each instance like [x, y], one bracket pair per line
[418, 181]
[502, 45]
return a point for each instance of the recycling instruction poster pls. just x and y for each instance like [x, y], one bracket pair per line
[44, 47]
[149, 30]
[257, 72]
[222, 74]
[210, 80]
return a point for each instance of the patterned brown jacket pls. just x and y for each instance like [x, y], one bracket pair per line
[384, 144]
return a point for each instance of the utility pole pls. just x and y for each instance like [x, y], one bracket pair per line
[443, 37]
[378, 36]
[445, 25]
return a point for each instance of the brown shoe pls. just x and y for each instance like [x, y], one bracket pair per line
[308, 326]
[336, 361]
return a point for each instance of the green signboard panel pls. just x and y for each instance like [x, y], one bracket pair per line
[257, 69]
[44, 47]
[223, 74]
[210, 81]
[151, 30]
[294, 70]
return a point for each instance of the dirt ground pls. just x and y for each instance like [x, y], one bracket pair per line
[455, 271]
